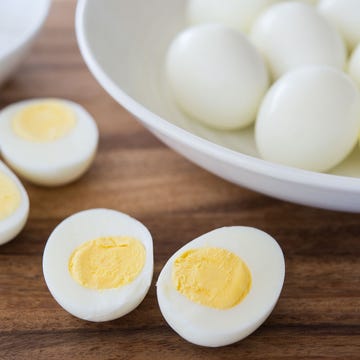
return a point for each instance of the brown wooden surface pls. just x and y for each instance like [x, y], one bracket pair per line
[318, 314]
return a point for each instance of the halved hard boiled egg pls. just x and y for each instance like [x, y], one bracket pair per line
[220, 287]
[98, 264]
[14, 205]
[48, 141]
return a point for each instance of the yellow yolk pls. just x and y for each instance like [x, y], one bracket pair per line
[212, 277]
[45, 121]
[10, 197]
[107, 262]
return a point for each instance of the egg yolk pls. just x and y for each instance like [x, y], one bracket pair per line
[45, 121]
[10, 196]
[213, 277]
[107, 262]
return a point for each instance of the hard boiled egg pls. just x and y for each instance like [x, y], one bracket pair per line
[309, 119]
[216, 75]
[354, 65]
[14, 205]
[293, 34]
[239, 14]
[98, 264]
[345, 16]
[48, 141]
[312, 2]
[220, 287]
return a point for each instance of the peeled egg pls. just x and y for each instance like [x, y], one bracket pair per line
[354, 65]
[293, 34]
[312, 2]
[98, 264]
[48, 141]
[309, 119]
[345, 16]
[14, 205]
[239, 14]
[216, 75]
[220, 287]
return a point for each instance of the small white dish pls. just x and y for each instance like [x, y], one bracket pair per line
[20, 22]
[124, 44]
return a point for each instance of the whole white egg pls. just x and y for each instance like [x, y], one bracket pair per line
[309, 119]
[216, 76]
[345, 16]
[312, 2]
[98, 264]
[354, 65]
[294, 34]
[48, 141]
[239, 14]
[14, 205]
[220, 287]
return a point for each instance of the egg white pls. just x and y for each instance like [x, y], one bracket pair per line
[294, 34]
[50, 163]
[309, 119]
[354, 65]
[89, 304]
[13, 224]
[239, 14]
[206, 326]
[216, 75]
[345, 16]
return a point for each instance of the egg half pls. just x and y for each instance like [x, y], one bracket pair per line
[14, 205]
[98, 264]
[48, 141]
[220, 287]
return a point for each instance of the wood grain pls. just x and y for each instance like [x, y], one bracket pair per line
[318, 315]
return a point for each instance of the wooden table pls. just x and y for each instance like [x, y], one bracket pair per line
[318, 314]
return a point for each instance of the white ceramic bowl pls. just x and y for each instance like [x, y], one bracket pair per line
[20, 22]
[124, 43]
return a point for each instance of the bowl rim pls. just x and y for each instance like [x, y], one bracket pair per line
[28, 36]
[232, 157]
